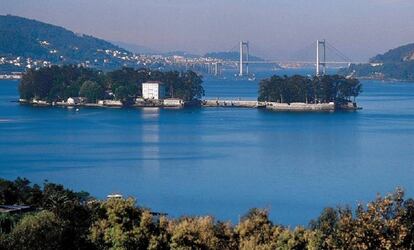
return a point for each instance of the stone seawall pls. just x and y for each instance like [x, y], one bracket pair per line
[301, 107]
[274, 106]
[232, 103]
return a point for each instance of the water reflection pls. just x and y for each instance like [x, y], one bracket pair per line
[150, 149]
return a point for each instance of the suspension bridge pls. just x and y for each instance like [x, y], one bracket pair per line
[320, 62]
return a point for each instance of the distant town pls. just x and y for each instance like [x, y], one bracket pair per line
[12, 66]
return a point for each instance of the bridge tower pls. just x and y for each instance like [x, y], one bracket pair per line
[244, 58]
[319, 62]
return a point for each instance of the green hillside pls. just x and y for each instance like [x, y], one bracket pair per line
[401, 54]
[22, 37]
[396, 64]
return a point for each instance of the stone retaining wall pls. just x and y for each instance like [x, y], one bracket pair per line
[298, 106]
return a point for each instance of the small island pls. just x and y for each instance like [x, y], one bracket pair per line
[302, 93]
[70, 85]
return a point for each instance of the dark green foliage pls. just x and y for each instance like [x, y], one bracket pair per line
[126, 83]
[73, 217]
[324, 89]
[20, 192]
[64, 220]
[57, 83]
[396, 64]
[92, 91]
[21, 37]
[40, 231]
[8, 222]
[187, 87]
[396, 55]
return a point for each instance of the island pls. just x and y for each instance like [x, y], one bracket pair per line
[70, 85]
[304, 93]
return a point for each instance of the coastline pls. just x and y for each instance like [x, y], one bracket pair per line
[272, 106]
[390, 80]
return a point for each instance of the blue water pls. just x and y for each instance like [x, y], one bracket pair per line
[218, 161]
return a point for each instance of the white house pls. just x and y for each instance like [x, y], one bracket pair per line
[153, 90]
[75, 100]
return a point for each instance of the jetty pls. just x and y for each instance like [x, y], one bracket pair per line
[233, 103]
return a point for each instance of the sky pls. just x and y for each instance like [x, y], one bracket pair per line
[275, 29]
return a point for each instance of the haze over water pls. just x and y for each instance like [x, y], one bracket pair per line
[218, 161]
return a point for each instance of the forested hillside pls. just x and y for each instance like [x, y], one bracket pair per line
[30, 38]
[396, 64]
[401, 54]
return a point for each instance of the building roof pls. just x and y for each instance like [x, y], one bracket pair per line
[158, 82]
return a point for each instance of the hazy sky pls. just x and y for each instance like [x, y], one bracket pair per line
[275, 28]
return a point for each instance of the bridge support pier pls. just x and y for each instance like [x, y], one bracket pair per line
[244, 50]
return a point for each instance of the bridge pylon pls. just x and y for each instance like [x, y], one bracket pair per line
[320, 62]
[244, 58]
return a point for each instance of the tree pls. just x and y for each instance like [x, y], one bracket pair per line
[188, 86]
[19, 192]
[126, 94]
[324, 89]
[92, 91]
[254, 229]
[42, 231]
[201, 233]
[119, 226]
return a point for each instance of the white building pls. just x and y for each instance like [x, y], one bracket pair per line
[75, 100]
[153, 90]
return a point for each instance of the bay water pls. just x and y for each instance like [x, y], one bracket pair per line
[218, 161]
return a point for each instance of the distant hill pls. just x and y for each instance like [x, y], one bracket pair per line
[24, 37]
[401, 54]
[41, 41]
[135, 48]
[396, 64]
[231, 56]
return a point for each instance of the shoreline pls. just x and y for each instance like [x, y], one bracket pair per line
[271, 106]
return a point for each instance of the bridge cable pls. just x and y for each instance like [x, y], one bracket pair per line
[338, 52]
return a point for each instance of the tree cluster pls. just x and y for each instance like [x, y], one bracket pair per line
[57, 83]
[318, 89]
[70, 220]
